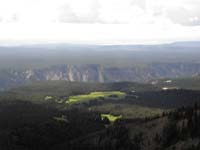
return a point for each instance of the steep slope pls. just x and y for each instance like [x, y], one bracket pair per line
[98, 73]
[97, 63]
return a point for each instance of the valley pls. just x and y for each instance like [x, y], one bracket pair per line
[127, 111]
[97, 63]
[10, 78]
[99, 74]
[141, 97]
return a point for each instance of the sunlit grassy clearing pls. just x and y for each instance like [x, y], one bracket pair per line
[48, 97]
[110, 117]
[94, 95]
[128, 111]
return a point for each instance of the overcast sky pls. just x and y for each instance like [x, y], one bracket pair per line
[99, 21]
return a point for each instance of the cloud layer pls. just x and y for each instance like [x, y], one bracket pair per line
[184, 12]
[124, 20]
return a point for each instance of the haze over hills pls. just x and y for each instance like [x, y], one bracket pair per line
[97, 63]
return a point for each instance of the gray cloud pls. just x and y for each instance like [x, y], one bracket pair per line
[67, 15]
[183, 16]
[182, 12]
[140, 3]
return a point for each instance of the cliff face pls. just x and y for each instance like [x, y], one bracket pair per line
[98, 73]
[82, 73]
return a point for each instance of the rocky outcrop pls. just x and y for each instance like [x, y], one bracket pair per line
[98, 73]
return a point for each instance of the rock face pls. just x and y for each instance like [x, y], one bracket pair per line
[98, 73]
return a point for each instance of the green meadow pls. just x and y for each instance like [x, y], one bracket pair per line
[110, 117]
[94, 95]
[128, 111]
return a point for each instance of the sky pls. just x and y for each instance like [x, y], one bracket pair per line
[99, 21]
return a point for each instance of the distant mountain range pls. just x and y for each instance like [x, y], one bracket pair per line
[97, 63]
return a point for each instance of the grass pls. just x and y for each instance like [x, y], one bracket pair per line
[94, 95]
[37, 91]
[110, 117]
[128, 111]
[48, 97]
